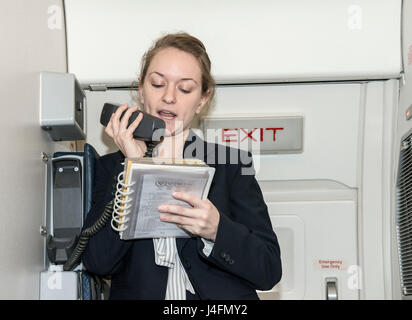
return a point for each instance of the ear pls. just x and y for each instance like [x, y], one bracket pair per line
[203, 100]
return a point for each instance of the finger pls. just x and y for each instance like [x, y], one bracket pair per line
[116, 117]
[190, 225]
[124, 122]
[181, 221]
[188, 228]
[109, 128]
[135, 123]
[109, 131]
[191, 199]
[178, 210]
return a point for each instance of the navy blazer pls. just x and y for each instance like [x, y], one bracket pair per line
[245, 255]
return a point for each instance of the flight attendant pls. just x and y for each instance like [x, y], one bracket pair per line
[234, 250]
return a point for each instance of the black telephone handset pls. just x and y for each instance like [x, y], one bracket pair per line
[150, 128]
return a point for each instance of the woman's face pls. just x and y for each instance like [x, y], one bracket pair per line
[172, 89]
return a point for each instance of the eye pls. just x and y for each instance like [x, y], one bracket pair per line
[185, 91]
[157, 85]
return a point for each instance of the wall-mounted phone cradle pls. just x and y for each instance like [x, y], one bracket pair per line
[63, 223]
[66, 214]
[62, 106]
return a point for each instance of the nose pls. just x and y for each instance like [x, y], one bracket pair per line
[169, 94]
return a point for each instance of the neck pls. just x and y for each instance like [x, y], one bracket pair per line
[172, 146]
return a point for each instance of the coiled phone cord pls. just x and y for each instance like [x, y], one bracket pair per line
[74, 258]
[85, 235]
[149, 149]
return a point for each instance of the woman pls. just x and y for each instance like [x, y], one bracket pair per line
[234, 251]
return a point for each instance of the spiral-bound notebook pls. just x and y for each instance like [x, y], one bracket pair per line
[148, 182]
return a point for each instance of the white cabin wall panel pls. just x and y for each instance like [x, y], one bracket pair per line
[324, 239]
[95, 131]
[290, 232]
[248, 41]
[33, 40]
[331, 127]
[390, 112]
[370, 218]
[375, 193]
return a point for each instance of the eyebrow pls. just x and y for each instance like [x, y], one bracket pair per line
[162, 75]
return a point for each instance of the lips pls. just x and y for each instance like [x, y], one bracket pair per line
[166, 115]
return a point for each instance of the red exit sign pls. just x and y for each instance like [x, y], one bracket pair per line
[260, 134]
[241, 134]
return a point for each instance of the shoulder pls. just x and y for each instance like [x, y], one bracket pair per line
[215, 154]
[232, 155]
[233, 160]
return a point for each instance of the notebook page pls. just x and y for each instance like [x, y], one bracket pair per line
[154, 187]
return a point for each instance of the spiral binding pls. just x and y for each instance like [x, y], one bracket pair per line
[121, 204]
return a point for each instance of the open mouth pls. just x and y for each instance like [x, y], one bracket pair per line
[166, 115]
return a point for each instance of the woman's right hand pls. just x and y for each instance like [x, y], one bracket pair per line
[122, 135]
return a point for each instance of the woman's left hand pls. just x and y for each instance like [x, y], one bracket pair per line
[201, 220]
